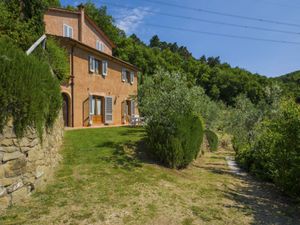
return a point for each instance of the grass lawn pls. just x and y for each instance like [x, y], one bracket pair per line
[105, 179]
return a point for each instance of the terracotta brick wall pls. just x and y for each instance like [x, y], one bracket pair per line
[55, 20]
[111, 85]
[90, 36]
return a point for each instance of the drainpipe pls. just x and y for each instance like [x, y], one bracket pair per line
[72, 83]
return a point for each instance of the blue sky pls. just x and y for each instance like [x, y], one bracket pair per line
[266, 58]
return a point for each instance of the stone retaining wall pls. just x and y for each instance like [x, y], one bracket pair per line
[26, 163]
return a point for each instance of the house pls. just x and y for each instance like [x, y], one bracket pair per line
[102, 89]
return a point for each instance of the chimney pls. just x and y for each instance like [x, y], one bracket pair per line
[81, 22]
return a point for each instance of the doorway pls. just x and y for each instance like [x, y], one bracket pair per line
[65, 108]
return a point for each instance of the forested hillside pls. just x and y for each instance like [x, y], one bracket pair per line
[291, 83]
[219, 79]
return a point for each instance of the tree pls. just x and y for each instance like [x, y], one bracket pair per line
[155, 42]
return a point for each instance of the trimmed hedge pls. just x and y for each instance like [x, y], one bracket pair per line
[28, 92]
[180, 148]
[212, 139]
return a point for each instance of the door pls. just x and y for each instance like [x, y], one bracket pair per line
[65, 109]
[97, 118]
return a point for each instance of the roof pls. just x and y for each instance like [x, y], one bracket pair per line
[98, 29]
[96, 52]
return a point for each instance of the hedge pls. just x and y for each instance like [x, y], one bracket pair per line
[180, 148]
[213, 140]
[29, 93]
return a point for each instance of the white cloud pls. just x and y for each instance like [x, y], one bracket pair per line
[129, 20]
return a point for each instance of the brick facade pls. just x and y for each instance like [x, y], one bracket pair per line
[86, 92]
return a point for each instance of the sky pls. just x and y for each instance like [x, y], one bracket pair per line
[264, 57]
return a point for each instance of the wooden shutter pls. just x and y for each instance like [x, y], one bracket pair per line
[123, 74]
[131, 77]
[108, 109]
[104, 68]
[91, 64]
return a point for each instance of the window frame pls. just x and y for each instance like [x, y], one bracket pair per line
[69, 28]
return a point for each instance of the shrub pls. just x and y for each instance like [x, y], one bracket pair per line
[212, 139]
[272, 149]
[179, 148]
[174, 129]
[29, 94]
[276, 150]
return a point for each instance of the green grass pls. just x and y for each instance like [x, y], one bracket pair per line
[106, 178]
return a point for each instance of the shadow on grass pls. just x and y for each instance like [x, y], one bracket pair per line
[127, 156]
[262, 200]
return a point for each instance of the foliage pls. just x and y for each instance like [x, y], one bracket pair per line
[57, 57]
[104, 21]
[213, 140]
[267, 141]
[174, 129]
[291, 84]
[276, 149]
[28, 92]
[22, 23]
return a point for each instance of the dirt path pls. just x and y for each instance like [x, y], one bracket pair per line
[265, 204]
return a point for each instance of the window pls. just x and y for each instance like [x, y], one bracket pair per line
[92, 105]
[127, 76]
[68, 31]
[123, 75]
[131, 77]
[96, 62]
[92, 64]
[104, 68]
[98, 67]
[100, 46]
[95, 105]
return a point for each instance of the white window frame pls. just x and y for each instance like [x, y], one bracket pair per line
[69, 30]
[92, 64]
[104, 68]
[100, 46]
[124, 75]
[96, 66]
[131, 77]
[92, 105]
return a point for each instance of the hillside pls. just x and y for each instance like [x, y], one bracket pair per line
[291, 82]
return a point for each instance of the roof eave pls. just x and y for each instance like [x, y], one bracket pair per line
[74, 42]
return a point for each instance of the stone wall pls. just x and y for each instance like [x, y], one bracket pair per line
[27, 163]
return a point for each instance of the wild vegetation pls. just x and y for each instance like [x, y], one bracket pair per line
[29, 88]
[29, 93]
